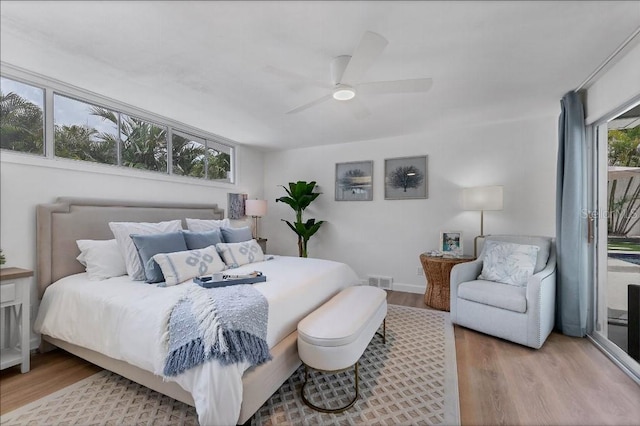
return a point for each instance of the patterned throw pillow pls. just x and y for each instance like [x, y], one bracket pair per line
[183, 265]
[238, 254]
[508, 263]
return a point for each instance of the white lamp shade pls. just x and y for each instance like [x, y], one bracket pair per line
[482, 198]
[255, 207]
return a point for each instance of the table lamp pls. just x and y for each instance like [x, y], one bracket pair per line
[255, 209]
[482, 198]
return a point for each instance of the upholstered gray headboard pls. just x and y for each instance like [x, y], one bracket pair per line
[60, 224]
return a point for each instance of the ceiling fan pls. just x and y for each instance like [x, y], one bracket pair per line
[346, 75]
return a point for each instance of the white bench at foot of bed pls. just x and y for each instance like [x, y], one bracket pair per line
[333, 337]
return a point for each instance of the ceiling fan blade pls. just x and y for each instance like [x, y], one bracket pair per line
[396, 86]
[358, 109]
[370, 47]
[310, 104]
[288, 75]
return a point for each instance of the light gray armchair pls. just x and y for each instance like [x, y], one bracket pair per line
[522, 315]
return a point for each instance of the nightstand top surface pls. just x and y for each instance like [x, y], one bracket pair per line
[13, 273]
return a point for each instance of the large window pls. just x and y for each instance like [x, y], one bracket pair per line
[84, 131]
[616, 189]
[21, 117]
[87, 131]
[144, 144]
[193, 156]
[188, 155]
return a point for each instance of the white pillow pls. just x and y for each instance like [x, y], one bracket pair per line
[184, 265]
[238, 254]
[102, 259]
[508, 263]
[122, 232]
[204, 225]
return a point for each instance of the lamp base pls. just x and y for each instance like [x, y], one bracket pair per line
[255, 228]
[475, 245]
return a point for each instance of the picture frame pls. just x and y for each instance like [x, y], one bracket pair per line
[405, 178]
[235, 205]
[451, 243]
[354, 181]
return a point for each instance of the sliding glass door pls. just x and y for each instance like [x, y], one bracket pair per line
[616, 230]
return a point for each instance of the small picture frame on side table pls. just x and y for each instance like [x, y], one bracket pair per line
[451, 243]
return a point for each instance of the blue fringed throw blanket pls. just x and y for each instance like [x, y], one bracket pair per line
[228, 324]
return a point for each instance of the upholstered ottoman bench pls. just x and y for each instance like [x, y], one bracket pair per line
[333, 337]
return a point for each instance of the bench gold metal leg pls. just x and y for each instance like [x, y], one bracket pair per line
[328, 410]
[384, 331]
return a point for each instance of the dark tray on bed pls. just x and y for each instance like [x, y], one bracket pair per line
[207, 281]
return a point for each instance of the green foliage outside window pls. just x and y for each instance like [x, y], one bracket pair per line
[21, 124]
[624, 209]
[143, 144]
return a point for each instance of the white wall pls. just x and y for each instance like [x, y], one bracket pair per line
[26, 181]
[386, 237]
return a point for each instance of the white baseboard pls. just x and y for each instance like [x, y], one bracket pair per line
[408, 288]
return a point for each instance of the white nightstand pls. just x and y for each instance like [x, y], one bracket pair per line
[15, 287]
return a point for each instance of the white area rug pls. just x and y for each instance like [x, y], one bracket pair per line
[411, 380]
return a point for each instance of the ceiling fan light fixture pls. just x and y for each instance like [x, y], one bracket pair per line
[343, 93]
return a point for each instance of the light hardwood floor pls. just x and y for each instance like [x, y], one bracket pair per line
[568, 381]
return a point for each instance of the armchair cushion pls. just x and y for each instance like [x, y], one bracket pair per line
[495, 294]
[508, 263]
[544, 243]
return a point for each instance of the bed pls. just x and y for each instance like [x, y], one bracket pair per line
[114, 323]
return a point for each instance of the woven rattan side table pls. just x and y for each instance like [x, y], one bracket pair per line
[438, 271]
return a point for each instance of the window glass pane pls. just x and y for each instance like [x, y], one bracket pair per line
[188, 156]
[84, 131]
[144, 144]
[21, 117]
[219, 164]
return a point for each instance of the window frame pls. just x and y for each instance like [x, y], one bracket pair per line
[51, 87]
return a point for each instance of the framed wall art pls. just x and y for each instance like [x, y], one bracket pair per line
[451, 243]
[405, 178]
[235, 204]
[354, 181]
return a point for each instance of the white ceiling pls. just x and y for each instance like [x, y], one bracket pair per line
[203, 63]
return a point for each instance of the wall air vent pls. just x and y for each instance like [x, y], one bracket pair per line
[380, 281]
[385, 282]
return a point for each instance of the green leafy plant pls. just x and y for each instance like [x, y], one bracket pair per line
[624, 202]
[300, 195]
[2, 258]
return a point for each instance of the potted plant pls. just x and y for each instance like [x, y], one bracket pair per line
[300, 195]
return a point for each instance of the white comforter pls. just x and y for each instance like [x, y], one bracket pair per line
[125, 320]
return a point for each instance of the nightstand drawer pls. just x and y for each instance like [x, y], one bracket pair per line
[7, 292]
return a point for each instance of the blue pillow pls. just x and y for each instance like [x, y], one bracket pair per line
[200, 240]
[236, 235]
[150, 245]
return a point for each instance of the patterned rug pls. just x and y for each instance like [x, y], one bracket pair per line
[411, 380]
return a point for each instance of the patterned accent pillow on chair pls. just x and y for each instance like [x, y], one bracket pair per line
[238, 254]
[508, 263]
